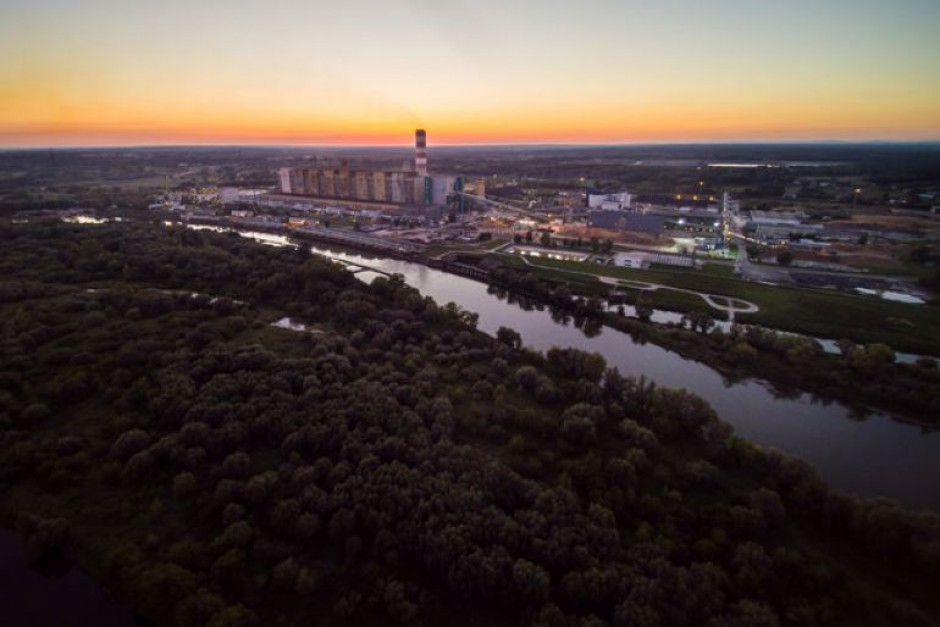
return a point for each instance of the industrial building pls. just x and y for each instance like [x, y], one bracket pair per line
[610, 202]
[616, 211]
[381, 188]
[669, 222]
[632, 260]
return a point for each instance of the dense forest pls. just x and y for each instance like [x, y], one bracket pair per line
[389, 464]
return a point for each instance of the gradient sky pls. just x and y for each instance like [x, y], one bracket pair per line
[93, 72]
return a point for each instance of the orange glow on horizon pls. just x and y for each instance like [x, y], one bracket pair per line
[675, 124]
[608, 72]
[43, 111]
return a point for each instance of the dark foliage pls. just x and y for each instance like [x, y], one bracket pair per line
[393, 465]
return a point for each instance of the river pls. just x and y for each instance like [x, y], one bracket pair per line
[870, 456]
[873, 455]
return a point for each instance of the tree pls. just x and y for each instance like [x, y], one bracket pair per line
[643, 307]
[845, 346]
[700, 320]
[784, 258]
[509, 337]
[531, 581]
[129, 443]
[285, 574]
[870, 358]
[184, 484]
[162, 586]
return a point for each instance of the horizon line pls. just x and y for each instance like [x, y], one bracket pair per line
[527, 144]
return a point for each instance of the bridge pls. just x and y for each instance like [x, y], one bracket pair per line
[356, 267]
[357, 240]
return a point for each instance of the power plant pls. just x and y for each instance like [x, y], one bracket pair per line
[412, 187]
[421, 152]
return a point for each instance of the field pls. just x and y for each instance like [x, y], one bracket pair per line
[908, 328]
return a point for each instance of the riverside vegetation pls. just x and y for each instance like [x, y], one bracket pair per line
[390, 464]
[861, 375]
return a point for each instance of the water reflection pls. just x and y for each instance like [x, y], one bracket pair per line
[864, 453]
[867, 453]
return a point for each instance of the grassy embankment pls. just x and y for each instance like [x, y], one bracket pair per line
[906, 327]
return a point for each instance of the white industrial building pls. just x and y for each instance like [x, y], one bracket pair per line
[632, 260]
[610, 202]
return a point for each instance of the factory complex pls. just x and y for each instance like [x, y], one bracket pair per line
[407, 187]
[617, 212]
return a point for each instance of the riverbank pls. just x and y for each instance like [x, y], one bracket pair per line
[224, 471]
[864, 380]
[865, 454]
[814, 312]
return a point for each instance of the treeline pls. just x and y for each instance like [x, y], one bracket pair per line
[392, 465]
[864, 375]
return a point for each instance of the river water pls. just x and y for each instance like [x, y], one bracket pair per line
[870, 456]
[874, 456]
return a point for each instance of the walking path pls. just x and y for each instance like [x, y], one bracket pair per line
[729, 305]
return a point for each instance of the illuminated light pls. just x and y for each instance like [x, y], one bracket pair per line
[678, 196]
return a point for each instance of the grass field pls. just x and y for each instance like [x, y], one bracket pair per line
[435, 250]
[823, 313]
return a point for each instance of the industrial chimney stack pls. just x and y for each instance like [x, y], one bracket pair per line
[421, 152]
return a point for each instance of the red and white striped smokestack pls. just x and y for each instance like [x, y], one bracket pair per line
[421, 152]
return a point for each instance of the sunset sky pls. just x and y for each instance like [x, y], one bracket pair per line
[110, 72]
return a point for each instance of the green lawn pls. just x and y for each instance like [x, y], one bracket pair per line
[480, 247]
[719, 269]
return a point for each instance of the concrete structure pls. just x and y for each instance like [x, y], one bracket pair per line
[781, 232]
[632, 260]
[342, 183]
[548, 253]
[232, 195]
[794, 218]
[671, 260]
[387, 188]
[610, 202]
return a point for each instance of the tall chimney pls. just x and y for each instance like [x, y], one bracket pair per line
[421, 152]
